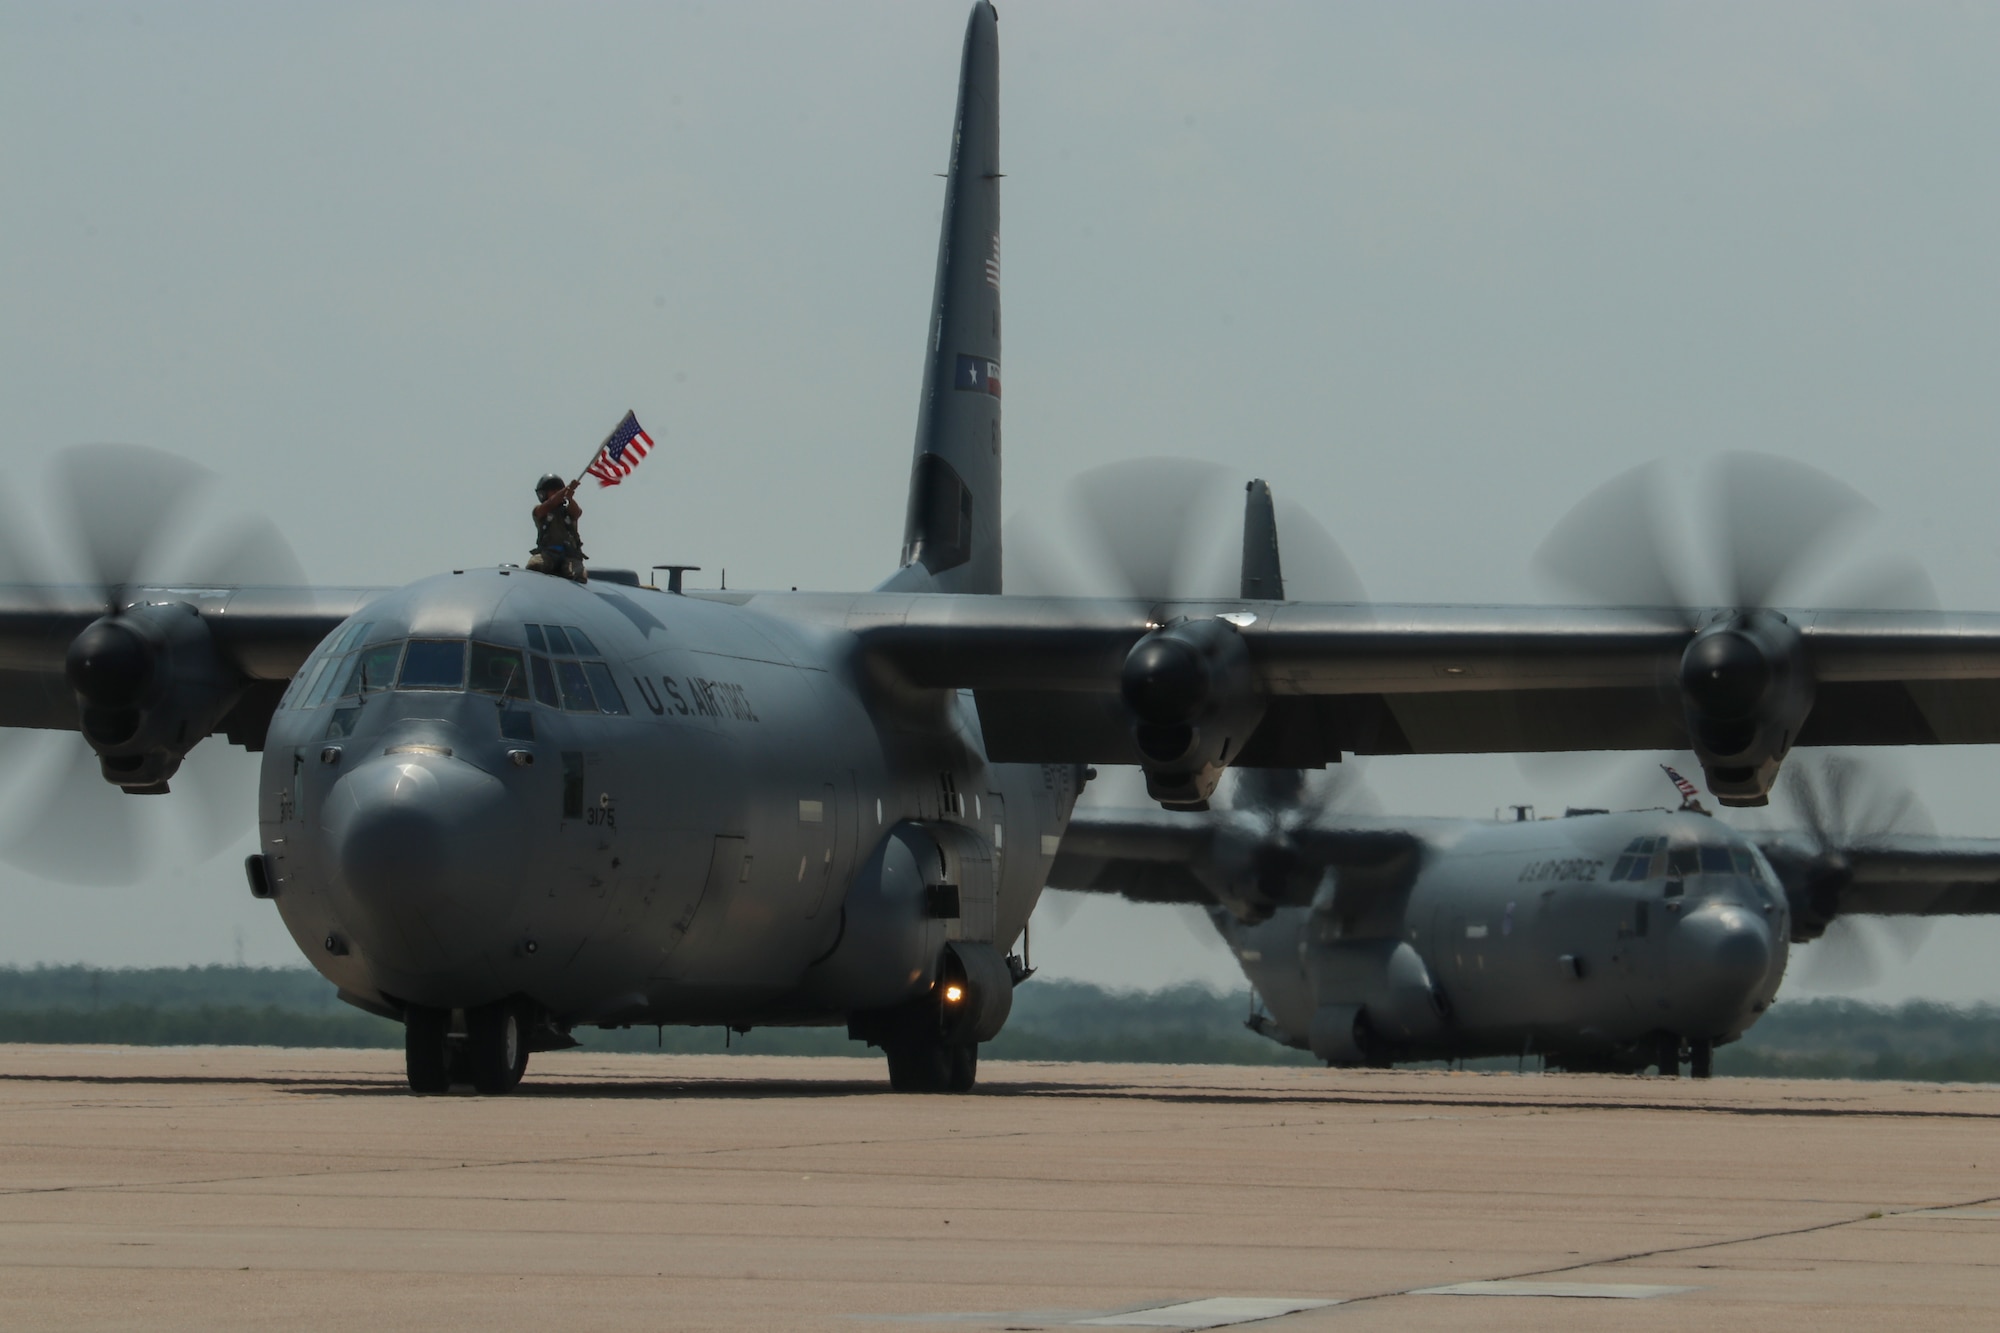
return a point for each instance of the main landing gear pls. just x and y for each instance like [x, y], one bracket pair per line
[491, 1054]
[927, 1044]
[1697, 1052]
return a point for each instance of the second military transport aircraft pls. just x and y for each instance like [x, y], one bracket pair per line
[498, 806]
[1603, 940]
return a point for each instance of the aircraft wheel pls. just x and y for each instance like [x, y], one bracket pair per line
[1701, 1058]
[427, 1049]
[923, 1059]
[916, 1065]
[964, 1067]
[496, 1039]
[1669, 1056]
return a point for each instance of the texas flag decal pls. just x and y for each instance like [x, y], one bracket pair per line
[977, 374]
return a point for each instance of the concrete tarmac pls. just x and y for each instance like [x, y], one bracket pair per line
[247, 1188]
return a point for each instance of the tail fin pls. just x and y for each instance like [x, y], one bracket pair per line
[1263, 574]
[951, 538]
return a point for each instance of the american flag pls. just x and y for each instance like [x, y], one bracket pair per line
[1689, 796]
[621, 451]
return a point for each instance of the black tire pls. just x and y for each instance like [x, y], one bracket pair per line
[496, 1042]
[1701, 1059]
[964, 1060]
[427, 1049]
[1669, 1057]
[926, 1061]
[917, 1066]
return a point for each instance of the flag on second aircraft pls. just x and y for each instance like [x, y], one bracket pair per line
[1689, 795]
[622, 450]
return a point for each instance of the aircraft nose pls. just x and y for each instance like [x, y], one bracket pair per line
[1722, 958]
[423, 846]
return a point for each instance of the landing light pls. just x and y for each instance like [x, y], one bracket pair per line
[953, 994]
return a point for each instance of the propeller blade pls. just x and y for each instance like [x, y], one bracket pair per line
[1770, 528]
[1844, 802]
[1891, 583]
[65, 823]
[1775, 516]
[75, 828]
[1055, 908]
[251, 549]
[1843, 959]
[124, 502]
[1612, 547]
[1316, 569]
[1202, 927]
[1139, 515]
[1155, 529]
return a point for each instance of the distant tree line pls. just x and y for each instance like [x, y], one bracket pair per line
[1052, 1020]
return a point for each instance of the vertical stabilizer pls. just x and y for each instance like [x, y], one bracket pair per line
[951, 537]
[1263, 575]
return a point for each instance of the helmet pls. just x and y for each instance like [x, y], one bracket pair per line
[548, 484]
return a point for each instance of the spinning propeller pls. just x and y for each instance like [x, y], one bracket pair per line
[1165, 529]
[135, 533]
[1753, 532]
[1841, 806]
[1169, 529]
[1154, 531]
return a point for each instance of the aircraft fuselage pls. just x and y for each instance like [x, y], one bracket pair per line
[629, 806]
[1585, 939]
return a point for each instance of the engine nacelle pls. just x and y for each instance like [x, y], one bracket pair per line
[150, 683]
[1193, 700]
[1746, 690]
[1373, 998]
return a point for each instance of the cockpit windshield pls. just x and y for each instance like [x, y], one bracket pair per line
[1652, 858]
[433, 664]
[559, 680]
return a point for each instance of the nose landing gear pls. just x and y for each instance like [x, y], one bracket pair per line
[491, 1055]
[922, 1059]
[1697, 1052]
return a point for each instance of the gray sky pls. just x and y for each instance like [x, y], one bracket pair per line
[1436, 271]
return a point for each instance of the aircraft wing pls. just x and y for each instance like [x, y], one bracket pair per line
[1384, 679]
[1143, 855]
[263, 633]
[1891, 875]
[1229, 857]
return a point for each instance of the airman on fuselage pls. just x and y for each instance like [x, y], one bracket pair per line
[558, 544]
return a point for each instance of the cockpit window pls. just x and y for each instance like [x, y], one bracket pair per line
[371, 669]
[1715, 860]
[498, 670]
[561, 641]
[1683, 860]
[545, 683]
[575, 688]
[353, 635]
[1751, 867]
[605, 687]
[301, 692]
[433, 664]
[1638, 862]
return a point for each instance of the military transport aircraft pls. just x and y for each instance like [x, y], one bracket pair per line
[498, 805]
[1600, 940]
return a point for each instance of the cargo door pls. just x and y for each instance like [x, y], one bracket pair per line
[819, 821]
[728, 866]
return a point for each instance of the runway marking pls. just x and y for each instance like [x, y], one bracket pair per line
[1215, 1312]
[1954, 1214]
[1606, 1261]
[1211, 1312]
[1611, 1291]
